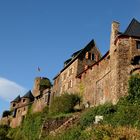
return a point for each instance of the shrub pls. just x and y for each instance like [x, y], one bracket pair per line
[3, 132]
[64, 103]
[134, 89]
[106, 110]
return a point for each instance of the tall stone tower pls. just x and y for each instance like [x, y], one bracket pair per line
[36, 88]
[114, 33]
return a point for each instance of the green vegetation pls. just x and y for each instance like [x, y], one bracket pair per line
[64, 104]
[120, 121]
[45, 83]
[3, 132]
[31, 126]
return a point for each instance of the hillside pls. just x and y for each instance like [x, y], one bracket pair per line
[64, 122]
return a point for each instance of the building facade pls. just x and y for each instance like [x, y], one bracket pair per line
[96, 78]
[103, 79]
[35, 100]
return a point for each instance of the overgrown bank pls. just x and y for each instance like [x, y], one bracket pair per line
[120, 121]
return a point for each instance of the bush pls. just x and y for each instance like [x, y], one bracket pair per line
[106, 110]
[64, 103]
[3, 132]
[134, 89]
[30, 127]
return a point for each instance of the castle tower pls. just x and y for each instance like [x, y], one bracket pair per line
[36, 88]
[114, 33]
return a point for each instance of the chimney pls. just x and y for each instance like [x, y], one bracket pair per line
[114, 32]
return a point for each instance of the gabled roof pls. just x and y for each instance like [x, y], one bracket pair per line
[78, 53]
[17, 99]
[28, 95]
[133, 29]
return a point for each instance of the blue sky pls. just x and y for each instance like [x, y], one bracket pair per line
[45, 33]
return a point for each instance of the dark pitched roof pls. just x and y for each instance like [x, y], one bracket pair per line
[17, 99]
[67, 61]
[78, 53]
[29, 95]
[75, 53]
[133, 29]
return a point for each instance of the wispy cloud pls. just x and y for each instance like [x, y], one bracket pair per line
[9, 89]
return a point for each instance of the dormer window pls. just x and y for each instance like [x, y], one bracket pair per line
[138, 45]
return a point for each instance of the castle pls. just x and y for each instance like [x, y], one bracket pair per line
[98, 79]
[102, 79]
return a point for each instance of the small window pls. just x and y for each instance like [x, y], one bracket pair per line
[24, 100]
[138, 44]
[65, 75]
[14, 104]
[92, 57]
[89, 55]
[46, 98]
[70, 71]
[70, 84]
[86, 56]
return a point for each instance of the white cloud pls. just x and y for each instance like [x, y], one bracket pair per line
[10, 90]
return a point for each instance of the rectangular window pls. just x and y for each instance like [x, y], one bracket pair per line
[46, 98]
[92, 56]
[138, 44]
[70, 84]
[89, 56]
[86, 55]
[65, 75]
[70, 71]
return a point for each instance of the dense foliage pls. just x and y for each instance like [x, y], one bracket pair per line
[134, 89]
[64, 103]
[3, 132]
[45, 83]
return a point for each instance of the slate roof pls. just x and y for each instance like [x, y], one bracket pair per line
[17, 99]
[133, 29]
[29, 95]
[76, 55]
